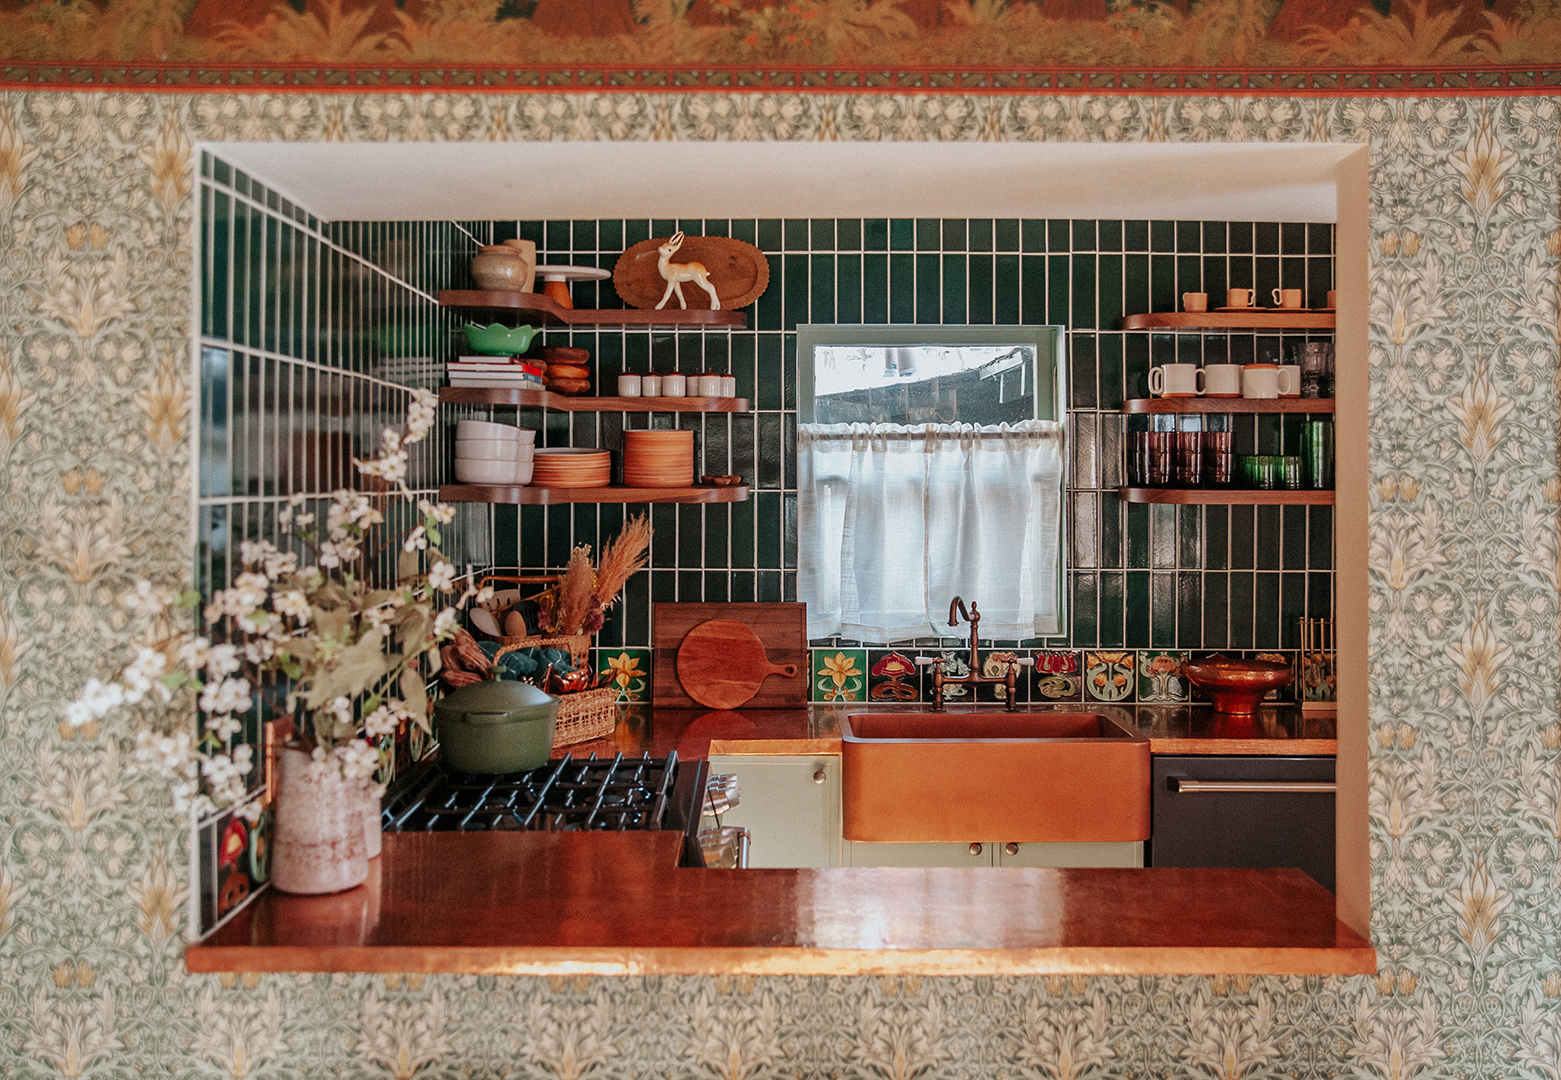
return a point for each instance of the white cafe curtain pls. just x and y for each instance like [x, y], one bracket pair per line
[894, 522]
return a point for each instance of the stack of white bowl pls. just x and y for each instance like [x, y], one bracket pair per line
[489, 453]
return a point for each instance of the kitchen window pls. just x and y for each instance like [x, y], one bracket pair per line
[929, 465]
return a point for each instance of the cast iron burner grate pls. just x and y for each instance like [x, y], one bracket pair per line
[566, 795]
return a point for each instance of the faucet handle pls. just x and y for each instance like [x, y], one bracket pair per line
[1025, 661]
[928, 661]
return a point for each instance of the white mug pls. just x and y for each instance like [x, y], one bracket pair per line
[1221, 380]
[628, 386]
[1268, 381]
[1290, 376]
[1174, 380]
[650, 385]
[674, 385]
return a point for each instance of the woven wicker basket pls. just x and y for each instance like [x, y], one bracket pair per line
[578, 646]
[590, 714]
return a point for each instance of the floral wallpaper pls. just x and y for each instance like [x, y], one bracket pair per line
[96, 216]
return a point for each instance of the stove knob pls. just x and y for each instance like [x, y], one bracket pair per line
[976, 849]
[820, 776]
[1011, 848]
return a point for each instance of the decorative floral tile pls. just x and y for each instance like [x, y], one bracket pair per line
[1059, 676]
[233, 880]
[995, 665]
[839, 675]
[892, 676]
[1162, 677]
[627, 671]
[954, 664]
[1109, 676]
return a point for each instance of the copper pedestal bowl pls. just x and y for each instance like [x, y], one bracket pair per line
[1236, 686]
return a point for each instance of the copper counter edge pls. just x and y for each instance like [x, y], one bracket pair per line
[1346, 959]
[1192, 744]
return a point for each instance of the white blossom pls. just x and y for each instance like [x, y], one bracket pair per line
[416, 540]
[443, 513]
[227, 696]
[221, 660]
[291, 603]
[143, 673]
[224, 726]
[442, 576]
[444, 623]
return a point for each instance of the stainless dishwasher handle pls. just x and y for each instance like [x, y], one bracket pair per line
[1252, 787]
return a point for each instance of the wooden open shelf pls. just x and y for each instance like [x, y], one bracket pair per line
[1227, 497]
[1136, 406]
[1216, 322]
[544, 399]
[543, 310]
[553, 496]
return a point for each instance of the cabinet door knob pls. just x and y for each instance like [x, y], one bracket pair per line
[820, 776]
[1011, 848]
[976, 849]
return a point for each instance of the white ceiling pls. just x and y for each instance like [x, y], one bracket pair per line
[582, 180]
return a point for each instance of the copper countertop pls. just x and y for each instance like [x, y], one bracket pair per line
[1171, 729]
[615, 904]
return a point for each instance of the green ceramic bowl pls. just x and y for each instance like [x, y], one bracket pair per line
[497, 339]
[496, 727]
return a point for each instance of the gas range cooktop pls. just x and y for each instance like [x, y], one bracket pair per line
[568, 795]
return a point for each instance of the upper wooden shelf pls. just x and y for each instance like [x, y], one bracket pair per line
[1195, 322]
[1228, 496]
[543, 399]
[543, 310]
[1136, 406]
[552, 496]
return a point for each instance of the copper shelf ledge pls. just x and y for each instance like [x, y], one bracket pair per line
[553, 496]
[545, 311]
[614, 904]
[1227, 497]
[1220, 322]
[543, 399]
[1139, 406]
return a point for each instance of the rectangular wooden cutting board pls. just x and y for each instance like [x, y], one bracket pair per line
[782, 628]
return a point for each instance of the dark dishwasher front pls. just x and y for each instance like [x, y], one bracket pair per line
[1243, 811]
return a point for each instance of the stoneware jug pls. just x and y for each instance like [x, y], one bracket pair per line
[318, 843]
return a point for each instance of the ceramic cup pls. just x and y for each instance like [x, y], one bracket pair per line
[674, 385]
[1174, 380]
[1238, 297]
[1195, 301]
[628, 386]
[1221, 380]
[650, 385]
[527, 250]
[1289, 380]
[1332, 299]
[1268, 381]
[1287, 298]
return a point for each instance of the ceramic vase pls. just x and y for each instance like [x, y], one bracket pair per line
[318, 844]
[499, 268]
[372, 833]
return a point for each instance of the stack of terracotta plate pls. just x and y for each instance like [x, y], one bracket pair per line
[571, 467]
[658, 458]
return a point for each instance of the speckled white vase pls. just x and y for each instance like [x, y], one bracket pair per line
[373, 834]
[318, 844]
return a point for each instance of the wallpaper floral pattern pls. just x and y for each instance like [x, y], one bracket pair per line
[95, 222]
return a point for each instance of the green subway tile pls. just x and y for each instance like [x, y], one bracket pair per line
[1215, 278]
[902, 288]
[1137, 536]
[1083, 236]
[902, 234]
[1109, 291]
[1034, 235]
[1162, 284]
[770, 586]
[1189, 537]
[1136, 611]
[770, 468]
[1292, 238]
[216, 279]
[875, 288]
[742, 533]
[794, 234]
[1162, 610]
[1189, 236]
[1112, 629]
[742, 589]
[821, 234]
[1216, 611]
[1214, 236]
[1082, 380]
[1265, 237]
[691, 586]
[772, 371]
[1189, 610]
[1033, 295]
[980, 284]
[1135, 235]
[1294, 550]
[1110, 236]
[1112, 519]
[769, 309]
[875, 234]
[1265, 612]
[1162, 236]
[1319, 239]
[663, 586]
[664, 537]
[767, 527]
[1084, 610]
[558, 233]
[1241, 237]
[980, 235]
[1135, 283]
[1243, 543]
[717, 588]
[744, 229]
[848, 234]
[559, 532]
[1319, 280]
[691, 539]
[929, 234]
[1320, 538]
[744, 364]
[1005, 234]
[1058, 236]
[1216, 537]
[1319, 595]
[795, 284]
[822, 305]
[929, 289]
[1006, 290]
[1162, 536]
[1058, 271]
[848, 288]
[583, 235]
[954, 286]
[789, 526]
[1241, 594]
[1292, 609]
[771, 235]
[1269, 534]
[1109, 365]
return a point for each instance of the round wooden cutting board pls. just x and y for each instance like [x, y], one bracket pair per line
[721, 664]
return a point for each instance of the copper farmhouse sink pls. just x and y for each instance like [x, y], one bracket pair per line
[1025, 777]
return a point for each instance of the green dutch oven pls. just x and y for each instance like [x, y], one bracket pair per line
[496, 727]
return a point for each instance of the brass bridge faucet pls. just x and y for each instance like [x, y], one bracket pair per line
[1009, 679]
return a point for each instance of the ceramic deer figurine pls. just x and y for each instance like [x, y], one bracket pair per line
[677, 273]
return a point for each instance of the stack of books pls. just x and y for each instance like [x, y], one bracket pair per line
[493, 371]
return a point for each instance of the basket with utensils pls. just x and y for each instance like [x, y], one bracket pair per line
[498, 623]
[583, 714]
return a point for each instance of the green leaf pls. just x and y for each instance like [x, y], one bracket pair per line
[189, 599]
[407, 565]
[415, 695]
[175, 679]
[434, 535]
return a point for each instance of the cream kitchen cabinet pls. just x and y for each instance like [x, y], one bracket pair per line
[990, 853]
[790, 805]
